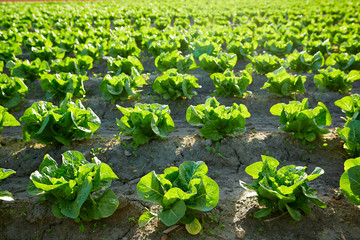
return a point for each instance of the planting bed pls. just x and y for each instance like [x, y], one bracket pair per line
[28, 218]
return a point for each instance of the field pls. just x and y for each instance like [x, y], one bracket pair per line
[62, 29]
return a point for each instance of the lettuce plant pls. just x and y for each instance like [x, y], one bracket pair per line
[265, 63]
[304, 62]
[312, 47]
[216, 120]
[94, 50]
[158, 46]
[351, 46]
[219, 63]
[335, 79]
[78, 65]
[174, 59]
[200, 46]
[304, 123]
[48, 123]
[283, 84]
[145, 122]
[4, 173]
[282, 190]
[278, 48]
[47, 53]
[350, 180]
[162, 22]
[173, 85]
[242, 49]
[227, 84]
[124, 49]
[121, 86]
[74, 188]
[181, 192]
[350, 105]
[119, 65]
[9, 50]
[1, 66]
[12, 90]
[341, 61]
[350, 134]
[28, 70]
[58, 85]
[6, 119]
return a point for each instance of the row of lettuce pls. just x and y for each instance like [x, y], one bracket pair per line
[124, 77]
[49, 32]
[80, 189]
[48, 123]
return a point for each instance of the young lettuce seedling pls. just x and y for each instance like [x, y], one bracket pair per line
[350, 180]
[48, 123]
[6, 119]
[4, 173]
[285, 189]
[145, 122]
[304, 123]
[181, 192]
[73, 189]
[216, 120]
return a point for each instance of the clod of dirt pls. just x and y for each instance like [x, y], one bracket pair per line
[127, 153]
[240, 233]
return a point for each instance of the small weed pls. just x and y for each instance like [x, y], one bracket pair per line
[81, 228]
[310, 148]
[131, 219]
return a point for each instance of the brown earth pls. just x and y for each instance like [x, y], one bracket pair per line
[27, 218]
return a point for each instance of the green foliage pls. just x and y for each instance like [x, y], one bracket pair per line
[278, 48]
[181, 192]
[94, 50]
[351, 46]
[216, 120]
[121, 86]
[305, 62]
[174, 59]
[9, 50]
[350, 180]
[119, 65]
[28, 70]
[124, 49]
[6, 119]
[350, 105]
[158, 46]
[199, 47]
[304, 123]
[229, 85]
[48, 123]
[4, 173]
[73, 189]
[219, 63]
[335, 79]
[285, 189]
[283, 84]
[1, 66]
[58, 85]
[343, 61]
[312, 47]
[12, 90]
[173, 85]
[242, 49]
[78, 65]
[265, 63]
[350, 134]
[47, 53]
[145, 122]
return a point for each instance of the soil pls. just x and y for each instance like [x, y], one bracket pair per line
[28, 218]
